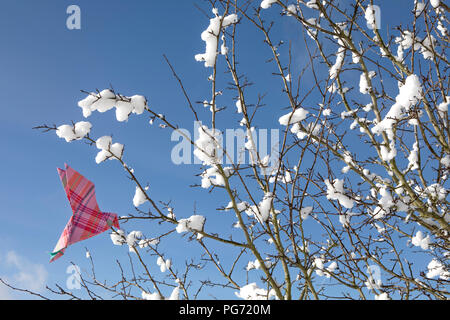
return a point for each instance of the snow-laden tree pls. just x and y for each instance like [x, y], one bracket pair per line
[354, 204]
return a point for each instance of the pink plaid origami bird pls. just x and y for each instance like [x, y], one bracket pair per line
[87, 219]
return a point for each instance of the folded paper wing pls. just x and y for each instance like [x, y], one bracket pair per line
[87, 219]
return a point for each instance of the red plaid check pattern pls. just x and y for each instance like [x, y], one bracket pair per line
[87, 219]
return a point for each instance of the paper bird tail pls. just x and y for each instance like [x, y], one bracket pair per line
[63, 241]
[79, 229]
[87, 219]
[57, 255]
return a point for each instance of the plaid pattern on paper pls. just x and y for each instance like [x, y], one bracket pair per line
[87, 219]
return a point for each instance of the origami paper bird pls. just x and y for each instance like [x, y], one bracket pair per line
[87, 219]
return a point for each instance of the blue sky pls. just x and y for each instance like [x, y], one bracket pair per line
[43, 67]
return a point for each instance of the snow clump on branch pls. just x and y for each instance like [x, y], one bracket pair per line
[107, 99]
[293, 117]
[207, 146]
[410, 94]
[335, 191]
[108, 150]
[252, 292]
[211, 37]
[262, 211]
[195, 223]
[75, 132]
[266, 4]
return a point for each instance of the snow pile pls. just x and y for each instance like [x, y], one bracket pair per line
[108, 150]
[428, 44]
[262, 211]
[370, 17]
[364, 86]
[372, 284]
[283, 178]
[419, 241]
[413, 158]
[212, 176]
[384, 204]
[76, 132]
[382, 296]
[164, 265]
[194, 223]
[132, 239]
[356, 57]
[175, 295]
[407, 40]
[151, 296]
[435, 3]
[410, 94]
[256, 265]
[252, 292]
[312, 128]
[404, 42]
[321, 270]
[266, 4]
[107, 100]
[293, 117]
[239, 106]
[443, 107]
[208, 149]
[335, 191]
[210, 37]
[437, 269]
[240, 206]
[251, 145]
[101, 102]
[442, 29]
[118, 238]
[310, 30]
[445, 161]
[291, 10]
[318, 263]
[223, 47]
[419, 7]
[340, 56]
[434, 191]
[312, 4]
[139, 197]
[208, 145]
[388, 153]
[331, 268]
[144, 243]
[171, 214]
[344, 218]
